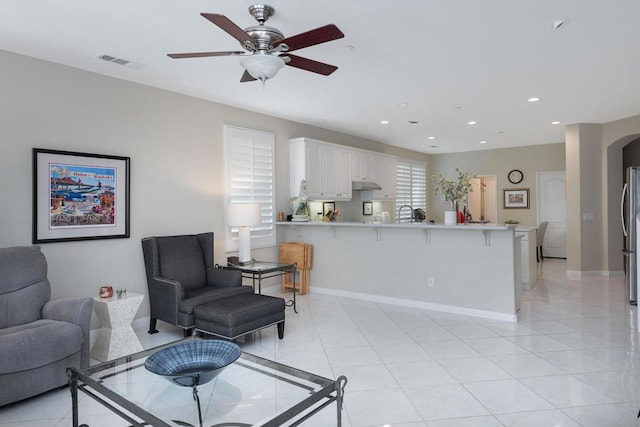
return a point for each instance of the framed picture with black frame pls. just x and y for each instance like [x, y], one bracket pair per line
[367, 208]
[328, 207]
[79, 196]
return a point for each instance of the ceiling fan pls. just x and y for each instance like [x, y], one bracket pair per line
[268, 46]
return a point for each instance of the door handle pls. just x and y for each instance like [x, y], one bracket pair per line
[624, 228]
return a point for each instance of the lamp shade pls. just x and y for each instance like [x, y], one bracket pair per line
[262, 66]
[243, 215]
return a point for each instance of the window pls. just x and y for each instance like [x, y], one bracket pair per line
[411, 183]
[249, 164]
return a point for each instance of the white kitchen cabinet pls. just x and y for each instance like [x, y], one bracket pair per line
[343, 174]
[326, 167]
[361, 166]
[384, 174]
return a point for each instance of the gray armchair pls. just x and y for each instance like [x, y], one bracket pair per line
[181, 275]
[39, 338]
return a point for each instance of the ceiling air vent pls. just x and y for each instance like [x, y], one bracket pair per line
[120, 61]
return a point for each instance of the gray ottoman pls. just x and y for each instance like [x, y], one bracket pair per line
[240, 314]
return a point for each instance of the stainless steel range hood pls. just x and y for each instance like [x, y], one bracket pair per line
[364, 186]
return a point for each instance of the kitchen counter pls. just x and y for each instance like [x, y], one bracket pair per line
[424, 225]
[471, 269]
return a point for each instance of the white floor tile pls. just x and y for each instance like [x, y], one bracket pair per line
[449, 349]
[352, 356]
[444, 401]
[471, 331]
[565, 390]
[573, 361]
[622, 386]
[474, 369]
[495, 346]
[525, 365]
[506, 396]
[555, 418]
[618, 415]
[486, 421]
[574, 358]
[380, 407]
[367, 377]
[424, 372]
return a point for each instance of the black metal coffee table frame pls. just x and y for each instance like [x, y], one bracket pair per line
[90, 382]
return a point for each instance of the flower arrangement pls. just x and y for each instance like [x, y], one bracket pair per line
[453, 190]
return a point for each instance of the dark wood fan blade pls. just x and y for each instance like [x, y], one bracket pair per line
[232, 29]
[246, 77]
[311, 38]
[203, 54]
[310, 65]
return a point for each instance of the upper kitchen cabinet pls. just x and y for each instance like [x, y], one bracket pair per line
[326, 167]
[384, 174]
[362, 165]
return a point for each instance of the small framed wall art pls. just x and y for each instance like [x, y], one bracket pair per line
[79, 196]
[516, 198]
[367, 208]
[328, 208]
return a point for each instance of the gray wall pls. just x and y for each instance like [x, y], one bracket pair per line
[530, 160]
[175, 145]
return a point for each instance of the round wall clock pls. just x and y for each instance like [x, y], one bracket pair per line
[515, 176]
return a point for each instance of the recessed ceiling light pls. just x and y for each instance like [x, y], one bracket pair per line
[472, 122]
[483, 142]
[413, 122]
[404, 104]
[431, 137]
[349, 48]
[534, 99]
[555, 122]
[384, 122]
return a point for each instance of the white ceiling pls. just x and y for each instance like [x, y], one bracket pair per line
[450, 61]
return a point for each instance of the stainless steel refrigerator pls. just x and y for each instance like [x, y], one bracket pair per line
[629, 210]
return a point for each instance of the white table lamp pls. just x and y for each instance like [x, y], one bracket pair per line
[244, 216]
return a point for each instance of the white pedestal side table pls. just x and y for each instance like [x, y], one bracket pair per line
[116, 338]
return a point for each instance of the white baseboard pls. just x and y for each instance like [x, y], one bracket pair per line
[577, 274]
[418, 304]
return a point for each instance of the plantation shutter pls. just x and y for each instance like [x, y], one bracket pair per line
[250, 164]
[411, 183]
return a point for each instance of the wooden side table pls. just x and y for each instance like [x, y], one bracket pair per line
[116, 338]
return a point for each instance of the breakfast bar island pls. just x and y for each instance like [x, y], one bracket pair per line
[470, 269]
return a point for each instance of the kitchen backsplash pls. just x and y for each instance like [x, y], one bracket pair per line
[351, 211]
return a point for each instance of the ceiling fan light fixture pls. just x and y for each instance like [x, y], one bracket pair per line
[262, 66]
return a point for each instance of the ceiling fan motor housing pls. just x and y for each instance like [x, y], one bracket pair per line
[263, 36]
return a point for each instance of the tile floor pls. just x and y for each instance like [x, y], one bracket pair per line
[572, 360]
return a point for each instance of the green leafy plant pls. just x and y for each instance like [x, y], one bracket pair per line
[453, 190]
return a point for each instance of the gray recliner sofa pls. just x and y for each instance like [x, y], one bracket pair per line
[39, 338]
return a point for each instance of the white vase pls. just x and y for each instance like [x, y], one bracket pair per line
[450, 217]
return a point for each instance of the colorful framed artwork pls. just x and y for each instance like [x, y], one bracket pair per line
[79, 196]
[517, 198]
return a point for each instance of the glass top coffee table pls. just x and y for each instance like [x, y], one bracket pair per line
[252, 391]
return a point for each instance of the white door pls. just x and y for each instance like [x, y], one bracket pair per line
[482, 202]
[552, 207]
[490, 199]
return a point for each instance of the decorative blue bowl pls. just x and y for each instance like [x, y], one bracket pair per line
[193, 363]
